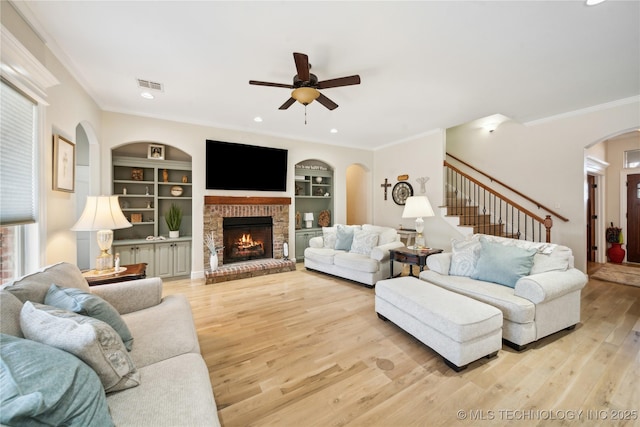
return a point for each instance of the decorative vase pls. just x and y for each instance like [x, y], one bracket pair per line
[213, 261]
[174, 234]
[616, 253]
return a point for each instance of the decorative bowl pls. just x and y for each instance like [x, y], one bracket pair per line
[176, 191]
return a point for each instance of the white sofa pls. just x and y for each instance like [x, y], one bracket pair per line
[364, 259]
[535, 285]
[165, 379]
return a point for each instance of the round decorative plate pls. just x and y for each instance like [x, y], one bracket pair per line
[401, 191]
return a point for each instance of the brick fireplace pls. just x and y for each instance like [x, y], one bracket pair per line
[217, 208]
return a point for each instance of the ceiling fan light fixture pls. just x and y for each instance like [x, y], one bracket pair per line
[305, 95]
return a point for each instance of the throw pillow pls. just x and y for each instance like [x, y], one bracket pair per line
[363, 242]
[42, 385]
[464, 257]
[91, 340]
[87, 304]
[502, 264]
[329, 237]
[344, 237]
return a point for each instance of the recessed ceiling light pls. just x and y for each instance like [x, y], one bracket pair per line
[334, 130]
[146, 95]
[594, 2]
[257, 119]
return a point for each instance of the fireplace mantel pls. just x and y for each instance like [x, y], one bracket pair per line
[233, 200]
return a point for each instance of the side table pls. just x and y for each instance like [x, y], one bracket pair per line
[130, 272]
[411, 256]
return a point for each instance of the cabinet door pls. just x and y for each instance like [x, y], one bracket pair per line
[182, 258]
[127, 254]
[145, 253]
[164, 259]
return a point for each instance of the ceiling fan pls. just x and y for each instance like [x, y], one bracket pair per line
[305, 85]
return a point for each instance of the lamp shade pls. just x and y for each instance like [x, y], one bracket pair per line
[101, 213]
[417, 207]
[305, 95]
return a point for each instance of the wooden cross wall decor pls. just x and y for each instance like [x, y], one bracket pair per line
[386, 185]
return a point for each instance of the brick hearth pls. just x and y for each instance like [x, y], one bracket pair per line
[218, 207]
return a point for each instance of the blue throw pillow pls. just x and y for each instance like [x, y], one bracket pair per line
[41, 385]
[344, 237]
[502, 264]
[87, 304]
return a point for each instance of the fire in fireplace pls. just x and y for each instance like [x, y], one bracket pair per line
[247, 238]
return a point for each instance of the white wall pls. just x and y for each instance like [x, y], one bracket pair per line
[422, 156]
[545, 160]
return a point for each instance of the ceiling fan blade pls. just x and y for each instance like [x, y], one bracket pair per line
[287, 104]
[302, 65]
[255, 82]
[327, 102]
[341, 81]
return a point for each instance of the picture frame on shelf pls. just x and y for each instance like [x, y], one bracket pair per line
[155, 152]
[64, 164]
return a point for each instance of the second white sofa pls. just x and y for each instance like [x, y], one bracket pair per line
[355, 252]
[535, 285]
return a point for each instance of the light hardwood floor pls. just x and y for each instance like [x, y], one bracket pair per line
[306, 349]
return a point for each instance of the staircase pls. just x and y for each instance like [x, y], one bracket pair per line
[474, 207]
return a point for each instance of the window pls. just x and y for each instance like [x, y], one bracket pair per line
[632, 159]
[18, 180]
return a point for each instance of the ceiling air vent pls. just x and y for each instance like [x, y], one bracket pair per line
[146, 84]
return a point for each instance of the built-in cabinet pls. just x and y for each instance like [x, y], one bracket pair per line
[146, 188]
[173, 259]
[313, 194]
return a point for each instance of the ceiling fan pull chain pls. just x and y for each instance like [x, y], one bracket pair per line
[305, 114]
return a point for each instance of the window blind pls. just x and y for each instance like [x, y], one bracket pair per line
[17, 157]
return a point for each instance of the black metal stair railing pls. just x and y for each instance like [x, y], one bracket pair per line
[489, 212]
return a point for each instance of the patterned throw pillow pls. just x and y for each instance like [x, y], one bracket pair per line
[363, 242]
[329, 237]
[464, 258]
[93, 341]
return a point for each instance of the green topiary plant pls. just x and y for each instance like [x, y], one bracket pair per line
[174, 217]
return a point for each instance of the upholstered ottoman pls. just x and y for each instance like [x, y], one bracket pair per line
[458, 328]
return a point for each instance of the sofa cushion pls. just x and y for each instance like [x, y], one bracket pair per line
[33, 287]
[344, 237]
[357, 262]
[320, 255]
[502, 264]
[91, 340]
[464, 258]
[42, 385]
[363, 242]
[10, 307]
[514, 308]
[84, 303]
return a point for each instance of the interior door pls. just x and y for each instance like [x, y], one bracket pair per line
[633, 218]
[591, 219]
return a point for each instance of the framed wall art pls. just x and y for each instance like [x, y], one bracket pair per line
[64, 164]
[156, 152]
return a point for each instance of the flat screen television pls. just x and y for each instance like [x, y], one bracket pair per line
[233, 166]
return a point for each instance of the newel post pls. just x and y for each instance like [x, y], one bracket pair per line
[548, 223]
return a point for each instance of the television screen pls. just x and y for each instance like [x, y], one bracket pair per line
[233, 166]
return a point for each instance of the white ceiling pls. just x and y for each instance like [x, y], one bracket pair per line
[423, 65]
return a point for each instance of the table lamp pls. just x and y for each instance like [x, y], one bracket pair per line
[417, 207]
[102, 214]
[308, 217]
